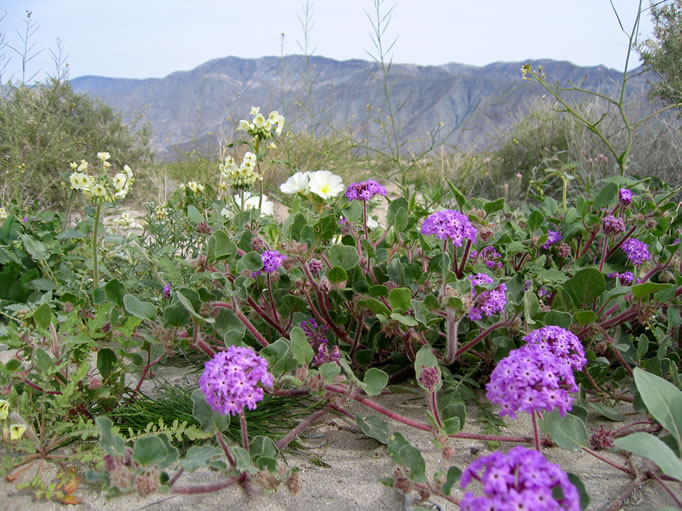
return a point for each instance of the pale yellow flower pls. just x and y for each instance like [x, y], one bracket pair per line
[73, 165]
[4, 409]
[104, 156]
[259, 120]
[298, 183]
[325, 184]
[119, 180]
[16, 431]
[128, 171]
[83, 166]
[254, 110]
[3, 214]
[98, 190]
[243, 125]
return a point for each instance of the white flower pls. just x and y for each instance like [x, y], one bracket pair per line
[119, 180]
[193, 185]
[74, 165]
[98, 190]
[4, 404]
[259, 120]
[272, 145]
[254, 110]
[243, 125]
[325, 184]
[3, 214]
[16, 431]
[103, 156]
[296, 183]
[372, 223]
[128, 171]
[251, 202]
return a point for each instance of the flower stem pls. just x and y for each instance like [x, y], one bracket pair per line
[535, 430]
[95, 271]
[245, 436]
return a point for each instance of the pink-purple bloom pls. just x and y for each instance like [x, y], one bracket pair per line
[519, 479]
[167, 291]
[364, 190]
[552, 238]
[625, 196]
[560, 343]
[230, 380]
[636, 251]
[272, 260]
[612, 225]
[531, 379]
[449, 225]
[489, 256]
[626, 278]
[317, 339]
[490, 301]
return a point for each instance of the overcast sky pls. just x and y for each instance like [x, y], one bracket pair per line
[152, 38]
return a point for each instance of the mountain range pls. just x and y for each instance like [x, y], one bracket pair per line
[188, 109]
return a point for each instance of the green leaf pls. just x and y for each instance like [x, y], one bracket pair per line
[585, 286]
[606, 411]
[374, 427]
[337, 274]
[326, 227]
[176, 315]
[652, 448]
[585, 317]
[229, 326]
[400, 299]
[220, 246]
[34, 247]
[106, 361]
[210, 421]
[44, 361]
[138, 308]
[186, 297]
[405, 320]
[344, 256]
[557, 318]
[251, 261]
[43, 316]
[663, 400]
[264, 453]
[108, 440]
[535, 220]
[643, 290]
[329, 371]
[459, 196]
[493, 206]
[194, 215]
[584, 497]
[374, 382]
[199, 456]
[149, 451]
[375, 306]
[568, 432]
[453, 476]
[115, 291]
[403, 453]
[397, 214]
[300, 347]
[605, 196]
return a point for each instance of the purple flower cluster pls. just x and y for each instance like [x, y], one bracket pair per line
[520, 479]
[531, 379]
[488, 256]
[489, 302]
[636, 251]
[167, 291]
[272, 260]
[612, 225]
[230, 380]
[625, 196]
[318, 341]
[626, 278]
[552, 238]
[559, 342]
[449, 225]
[364, 190]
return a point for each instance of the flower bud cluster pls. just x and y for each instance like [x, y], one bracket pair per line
[519, 479]
[101, 188]
[261, 127]
[612, 225]
[230, 380]
[240, 176]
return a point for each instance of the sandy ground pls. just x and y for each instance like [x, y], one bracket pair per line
[347, 478]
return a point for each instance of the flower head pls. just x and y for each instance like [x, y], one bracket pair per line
[272, 260]
[449, 225]
[552, 238]
[4, 409]
[104, 156]
[364, 190]
[625, 196]
[325, 184]
[298, 183]
[531, 379]
[561, 343]
[167, 291]
[3, 214]
[16, 431]
[625, 279]
[520, 479]
[636, 251]
[612, 225]
[230, 380]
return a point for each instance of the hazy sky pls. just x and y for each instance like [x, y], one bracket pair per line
[152, 38]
